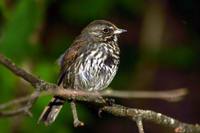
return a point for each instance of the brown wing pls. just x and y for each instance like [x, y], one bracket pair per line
[69, 57]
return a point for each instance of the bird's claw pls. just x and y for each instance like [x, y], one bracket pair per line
[110, 101]
[78, 123]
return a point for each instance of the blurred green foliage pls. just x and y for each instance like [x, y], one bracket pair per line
[18, 29]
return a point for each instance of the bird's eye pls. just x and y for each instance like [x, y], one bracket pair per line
[106, 30]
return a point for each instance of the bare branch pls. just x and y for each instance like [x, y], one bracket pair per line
[152, 116]
[172, 95]
[27, 102]
[116, 110]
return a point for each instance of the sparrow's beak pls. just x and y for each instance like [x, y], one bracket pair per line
[119, 31]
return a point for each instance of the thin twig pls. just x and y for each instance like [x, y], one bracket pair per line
[14, 102]
[15, 112]
[168, 95]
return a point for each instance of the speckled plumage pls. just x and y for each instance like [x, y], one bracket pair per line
[90, 63]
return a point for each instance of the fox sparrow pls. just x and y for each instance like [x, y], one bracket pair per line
[90, 63]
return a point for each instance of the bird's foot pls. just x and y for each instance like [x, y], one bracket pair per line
[110, 101]
[78, 123]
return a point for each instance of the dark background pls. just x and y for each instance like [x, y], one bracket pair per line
[160, 51]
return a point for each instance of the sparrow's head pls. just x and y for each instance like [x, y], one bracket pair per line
[102, 30]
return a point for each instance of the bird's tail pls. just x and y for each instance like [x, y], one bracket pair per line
[51, 111]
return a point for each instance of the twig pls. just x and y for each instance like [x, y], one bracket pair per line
[169, 95]
[14, 102]
[15, 112]
[116, 110]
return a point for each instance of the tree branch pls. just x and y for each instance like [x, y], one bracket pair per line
[25, 103]
[148, 115]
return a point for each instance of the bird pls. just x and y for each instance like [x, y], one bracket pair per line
[89, 64]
